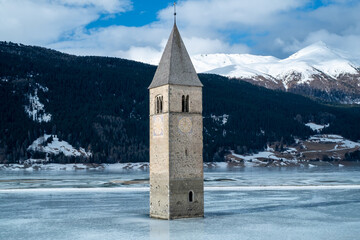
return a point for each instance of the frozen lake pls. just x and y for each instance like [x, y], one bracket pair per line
[245, 203]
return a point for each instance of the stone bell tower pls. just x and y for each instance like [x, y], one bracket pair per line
[176, 140]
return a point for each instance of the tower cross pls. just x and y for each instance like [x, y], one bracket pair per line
[174, 12]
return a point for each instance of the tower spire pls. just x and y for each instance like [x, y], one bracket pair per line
[174, 12]
[175, 66]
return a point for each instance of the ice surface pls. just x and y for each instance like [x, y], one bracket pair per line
[231, 214]
[219, 175]
[251, 203]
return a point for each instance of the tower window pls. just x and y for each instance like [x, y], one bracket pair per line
[191, 196]
[159, 104]
[185, 103]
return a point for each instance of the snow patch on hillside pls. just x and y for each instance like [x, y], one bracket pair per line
[44, 89]
[35, 109]
[56, 147]
[315, 59]
[222, 119]
[4, 79]
[316, 127]
[341, 142]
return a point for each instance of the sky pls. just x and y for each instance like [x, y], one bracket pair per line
[139, 29]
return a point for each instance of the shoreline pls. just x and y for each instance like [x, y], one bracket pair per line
[144, 166]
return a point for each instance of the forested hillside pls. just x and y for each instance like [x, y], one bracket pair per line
[101, 104]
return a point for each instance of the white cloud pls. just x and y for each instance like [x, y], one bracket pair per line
[227, 13]
[141, 54]
[193, 45]
[43, 21]
[336, 24]
[264, 27]
[143, 44]
[117, 41]
[271, 27]
[196, 45]
[347, 43]
[110, 6]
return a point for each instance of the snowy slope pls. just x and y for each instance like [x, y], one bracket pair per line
[316, 59]
[35, 109]
[316, 127]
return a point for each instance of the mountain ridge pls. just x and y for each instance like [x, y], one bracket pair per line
[316, 68]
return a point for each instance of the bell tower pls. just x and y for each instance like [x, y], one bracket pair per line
[176, 139]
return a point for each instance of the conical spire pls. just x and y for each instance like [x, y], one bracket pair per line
[175, 66]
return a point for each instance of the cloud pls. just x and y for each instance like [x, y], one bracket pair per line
[44, 21]
[109, 6]
[144, 44]
[60, 24]
[196, 45]
[335, 24]
[276, 27]
[227, 13]
[120, 41]
[142, 54]
[263, 27]
[349, 44]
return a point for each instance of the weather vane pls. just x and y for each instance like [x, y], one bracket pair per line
[174, 12]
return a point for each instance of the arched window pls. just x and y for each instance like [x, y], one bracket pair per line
[185, 103]
[191, 196]
[159, 104]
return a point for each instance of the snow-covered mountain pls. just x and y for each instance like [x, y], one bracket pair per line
[316, 70]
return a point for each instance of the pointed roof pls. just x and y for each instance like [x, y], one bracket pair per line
[175, 66]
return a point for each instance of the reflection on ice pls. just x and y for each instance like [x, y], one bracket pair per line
[159, 230]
